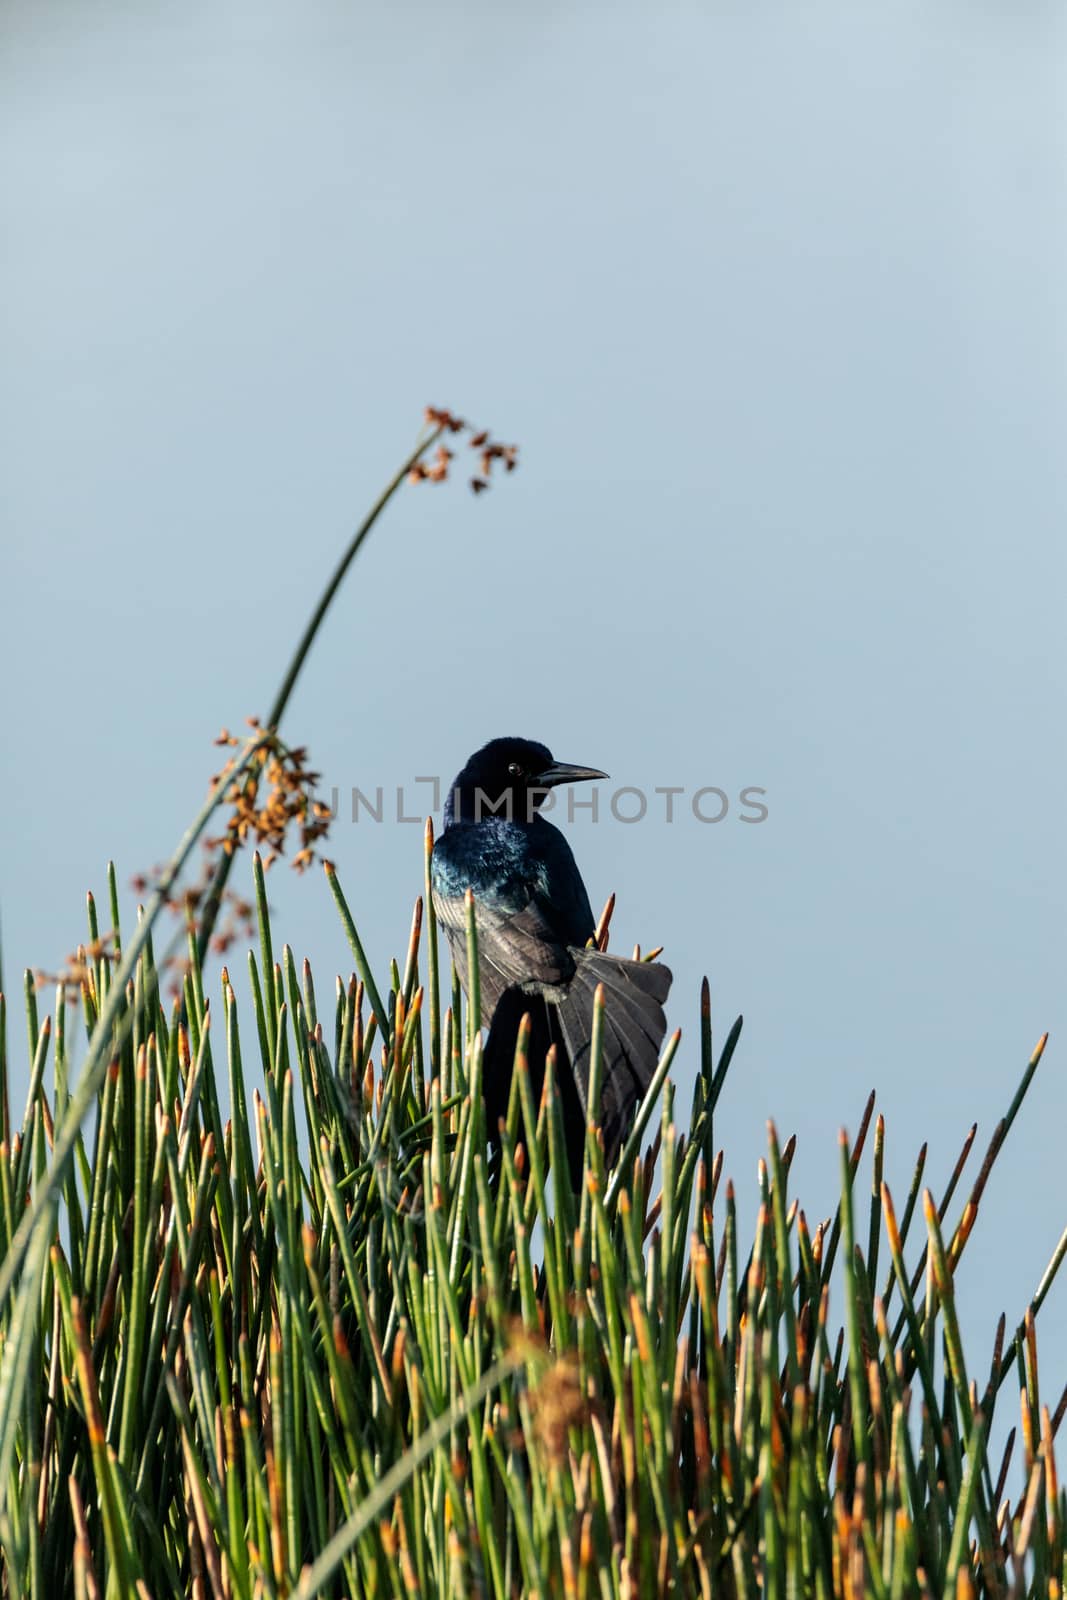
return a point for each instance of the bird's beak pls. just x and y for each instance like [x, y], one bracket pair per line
[563, 772]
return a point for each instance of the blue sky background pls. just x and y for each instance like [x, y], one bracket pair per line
[773, 299]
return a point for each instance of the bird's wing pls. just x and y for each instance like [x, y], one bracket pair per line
[516, 946]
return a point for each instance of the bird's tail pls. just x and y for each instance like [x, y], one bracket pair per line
[634, 1026]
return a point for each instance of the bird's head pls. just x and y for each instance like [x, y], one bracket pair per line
[509, 778]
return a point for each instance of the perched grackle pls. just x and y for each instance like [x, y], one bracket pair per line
[534, 921]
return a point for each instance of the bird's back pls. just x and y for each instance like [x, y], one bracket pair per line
[531, 905]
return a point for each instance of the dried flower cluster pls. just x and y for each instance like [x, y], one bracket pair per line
[487, 448]
[239, 914]
[283, 775]
[289, 783]
[78, 968]
[270, 797]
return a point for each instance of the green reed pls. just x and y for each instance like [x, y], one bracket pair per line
[273, 1324]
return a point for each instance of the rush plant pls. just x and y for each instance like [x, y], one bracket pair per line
[271, 1323]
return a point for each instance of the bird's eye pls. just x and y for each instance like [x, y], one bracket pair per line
[514, 770]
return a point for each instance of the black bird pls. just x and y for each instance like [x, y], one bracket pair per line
[534, 920]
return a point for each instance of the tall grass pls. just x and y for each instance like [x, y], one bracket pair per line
[275, 1327]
